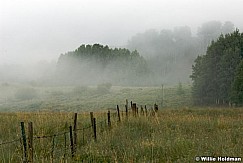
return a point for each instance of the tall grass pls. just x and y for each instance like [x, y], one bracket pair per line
[173, 135]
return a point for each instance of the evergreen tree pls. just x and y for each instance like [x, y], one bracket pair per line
[214, 73]
[237, 86]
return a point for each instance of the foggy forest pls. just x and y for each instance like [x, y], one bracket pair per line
[121, 81]
[167, 54]
[204, 66]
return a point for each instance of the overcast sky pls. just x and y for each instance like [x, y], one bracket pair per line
[33, 30]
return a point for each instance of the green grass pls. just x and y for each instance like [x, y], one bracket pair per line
[173, 135]
[89, 98]
[178, 133]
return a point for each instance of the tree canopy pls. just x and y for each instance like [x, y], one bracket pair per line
[217, 76]
[170, 53]
[98, 63]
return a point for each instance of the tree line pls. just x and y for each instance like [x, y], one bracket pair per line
[171, 52]
[92, 64]
[218, 75]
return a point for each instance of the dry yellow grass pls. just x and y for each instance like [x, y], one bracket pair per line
[174, 135]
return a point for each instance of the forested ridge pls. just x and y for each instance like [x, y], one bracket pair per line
[218, 75]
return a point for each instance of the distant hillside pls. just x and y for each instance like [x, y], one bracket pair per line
[93, 64]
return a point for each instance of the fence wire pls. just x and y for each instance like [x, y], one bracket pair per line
[58, 149]
[10, 142]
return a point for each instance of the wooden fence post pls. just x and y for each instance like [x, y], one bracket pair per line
[109, 119]
[118, 113]
[75, 132]
[94, 128]
[134, 109]
[30, 141]
[126, 110]
[91, 118]
[156, 108]
[146, 111]
[24, 142]
[126, 107]
[71, 140]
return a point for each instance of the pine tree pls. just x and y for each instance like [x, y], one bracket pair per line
[214, 73]
[237, 86]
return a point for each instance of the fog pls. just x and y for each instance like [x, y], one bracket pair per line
[33, 33]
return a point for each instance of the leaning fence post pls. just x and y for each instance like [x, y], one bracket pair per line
[75, 131]
[24, 142]
[30, 141]
[118, 113]
[94, 128]
[71, 140]
[109, 119]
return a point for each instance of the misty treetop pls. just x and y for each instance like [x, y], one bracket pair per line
[218, 75]
[170, 53]
[92, 64]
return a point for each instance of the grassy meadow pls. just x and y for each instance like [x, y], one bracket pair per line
[177, 133]
[15, 97]
[172, 135]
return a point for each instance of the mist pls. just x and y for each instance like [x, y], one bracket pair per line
[89, 80]
[170, 53]
[41, 30]
[33, 34]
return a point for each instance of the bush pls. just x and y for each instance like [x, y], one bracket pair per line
[26, 94]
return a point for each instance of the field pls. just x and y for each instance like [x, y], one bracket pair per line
[172, 135]
[14, 97]
[177, 133]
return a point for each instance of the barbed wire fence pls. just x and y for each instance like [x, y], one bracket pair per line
[63, 145]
